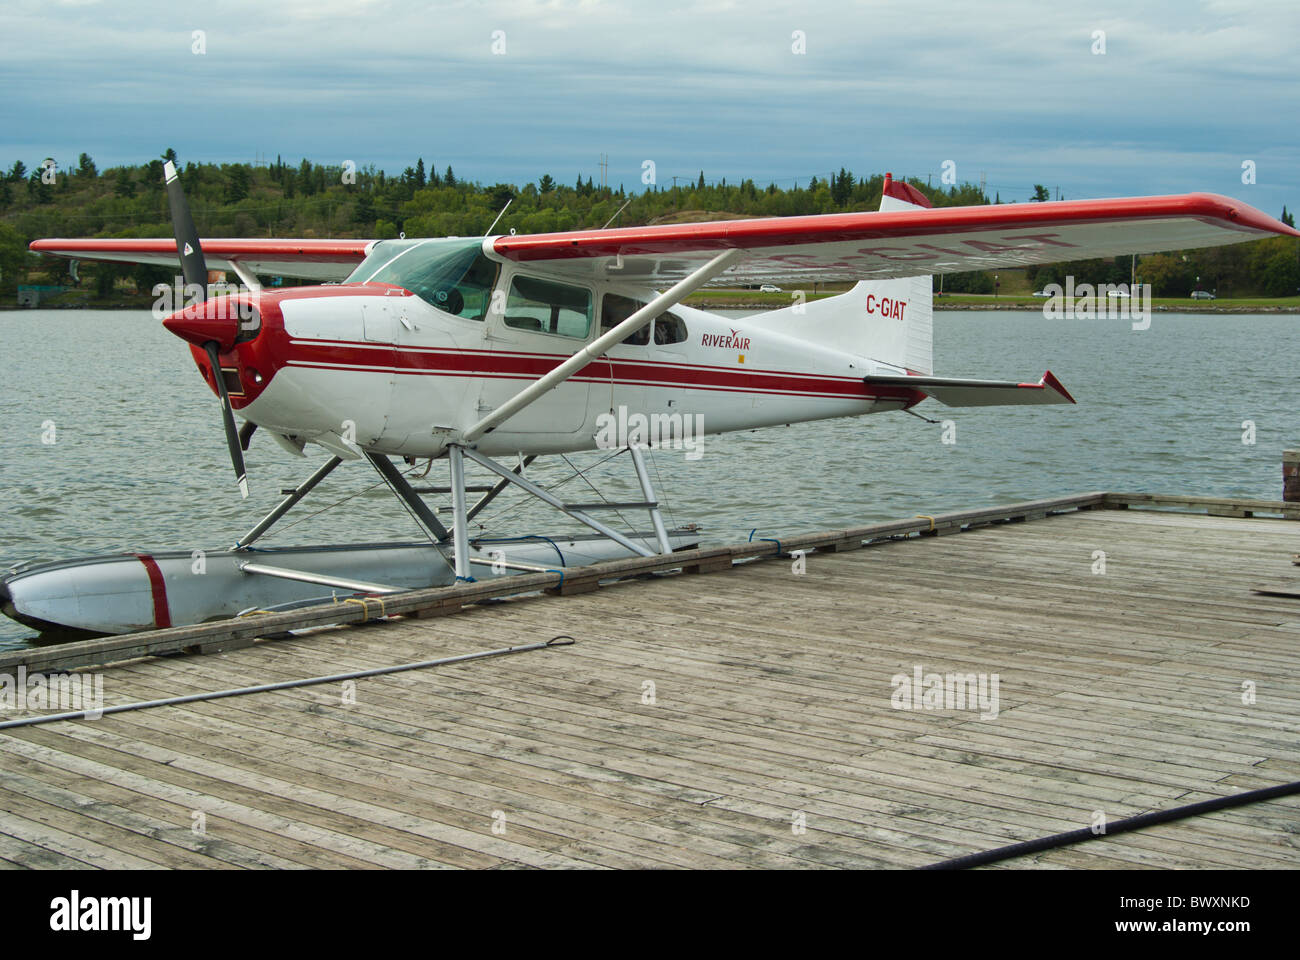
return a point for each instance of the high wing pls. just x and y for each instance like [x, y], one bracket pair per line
[900, 243]
[827, 247]
[301, 259]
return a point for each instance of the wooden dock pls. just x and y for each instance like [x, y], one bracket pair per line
[738, 719]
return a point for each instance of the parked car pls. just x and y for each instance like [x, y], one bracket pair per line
[1041, 293]
[768, 288]
[1202, 295]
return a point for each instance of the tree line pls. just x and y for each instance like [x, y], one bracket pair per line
[308, 199]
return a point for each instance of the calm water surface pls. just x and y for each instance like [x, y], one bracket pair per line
[139, 459]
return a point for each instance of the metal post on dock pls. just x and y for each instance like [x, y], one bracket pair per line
[1291, 476]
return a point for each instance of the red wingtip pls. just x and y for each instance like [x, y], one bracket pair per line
[1049, 380]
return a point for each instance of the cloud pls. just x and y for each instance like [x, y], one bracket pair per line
[1182, 95]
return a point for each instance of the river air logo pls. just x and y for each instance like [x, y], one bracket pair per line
[76, 913]
[946, 691]
[733, 342]
[665, 431]
[57, 691]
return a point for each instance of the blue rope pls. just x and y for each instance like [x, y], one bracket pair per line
[532, 536]
[780, 552]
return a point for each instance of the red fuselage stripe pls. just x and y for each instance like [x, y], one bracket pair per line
[457, 363]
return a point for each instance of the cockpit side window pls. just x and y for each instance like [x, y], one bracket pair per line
[473, 292]
[548, 306]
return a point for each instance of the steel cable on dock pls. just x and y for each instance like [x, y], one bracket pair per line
[561, 641]
[1119, 826]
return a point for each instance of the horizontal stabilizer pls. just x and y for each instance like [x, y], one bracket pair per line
[980, 393]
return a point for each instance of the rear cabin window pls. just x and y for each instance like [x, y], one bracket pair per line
[614, 309]
[545, 306]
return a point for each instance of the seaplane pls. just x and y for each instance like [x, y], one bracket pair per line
[489, 352]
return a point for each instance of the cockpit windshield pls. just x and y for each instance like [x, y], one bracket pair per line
[450, 273]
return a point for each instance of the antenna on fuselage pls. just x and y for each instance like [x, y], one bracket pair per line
[499, 216]
[617, 212]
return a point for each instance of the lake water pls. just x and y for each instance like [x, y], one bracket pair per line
[139, 460]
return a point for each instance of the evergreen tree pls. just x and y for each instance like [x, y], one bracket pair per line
[38, 189]
[237, 188]
[365, 211]
[700, 185]
[419, 174]
[305, 180]
[546, 184]
[449, 178]
[86, 167]
[842, 188]
[125, 186]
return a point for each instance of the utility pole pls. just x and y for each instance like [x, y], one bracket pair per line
[604, 169]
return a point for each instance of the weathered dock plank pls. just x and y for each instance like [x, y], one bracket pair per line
[745, 717]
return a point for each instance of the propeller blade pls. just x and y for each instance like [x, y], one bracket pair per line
[228, 416]
[193, 266]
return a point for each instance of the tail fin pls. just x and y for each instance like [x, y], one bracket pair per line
[888, 321]
[912, 346]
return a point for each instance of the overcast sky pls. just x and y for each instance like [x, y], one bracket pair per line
[1183, 94]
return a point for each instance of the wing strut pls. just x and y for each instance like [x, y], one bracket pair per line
[604, 342]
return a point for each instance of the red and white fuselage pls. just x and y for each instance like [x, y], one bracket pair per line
[382, 367]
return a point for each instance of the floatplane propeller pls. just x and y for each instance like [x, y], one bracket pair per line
[195, 271]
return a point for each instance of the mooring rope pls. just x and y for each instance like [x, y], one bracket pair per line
[1119, 826]
[563, 640]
